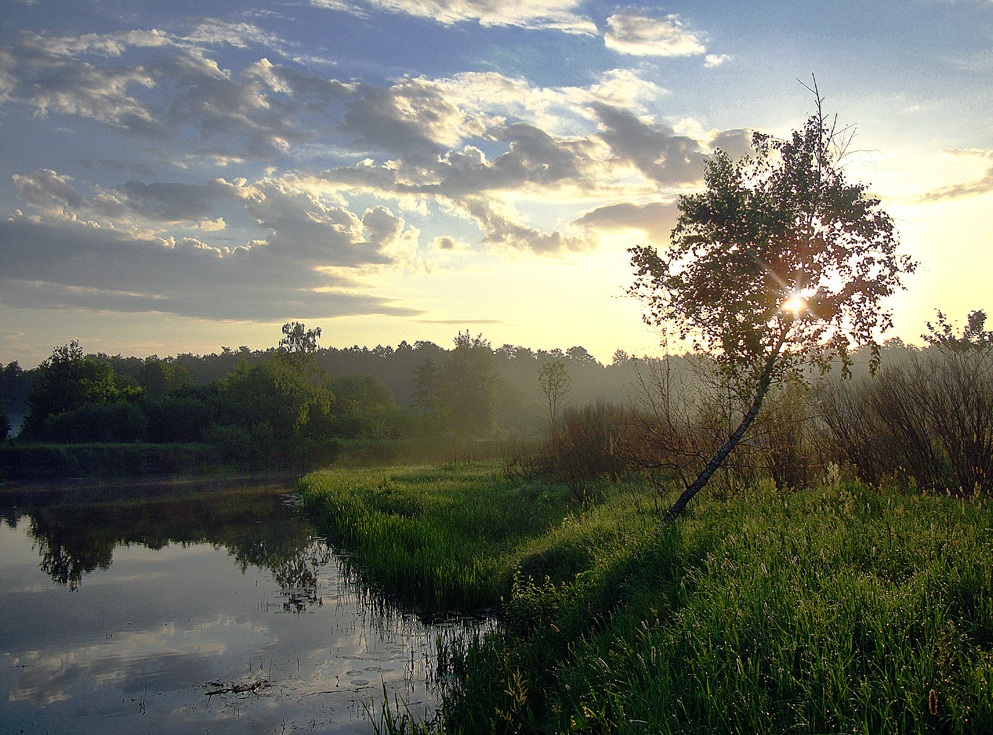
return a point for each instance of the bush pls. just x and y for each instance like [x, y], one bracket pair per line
[178, 419]
[786, 440]
[930, 420]
[108, 422]
[583, 448]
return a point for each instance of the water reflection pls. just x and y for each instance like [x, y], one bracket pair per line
[190, 609]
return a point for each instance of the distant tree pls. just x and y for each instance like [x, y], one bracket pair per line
[270, 394]
[941, 334]
[297, 339]
[427, 379]
[68, 381]
[158, 378]
[298, 350]
[581, 355]
[619, 357]
[466, 388]
[778, 264]
[14, 388]
[555, 384]
[363, 407]
[460, 392]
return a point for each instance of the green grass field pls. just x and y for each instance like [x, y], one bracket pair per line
[841, 609]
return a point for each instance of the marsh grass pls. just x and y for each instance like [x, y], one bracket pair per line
[448, 538]
[842, 609]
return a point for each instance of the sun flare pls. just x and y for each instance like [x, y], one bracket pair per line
[795, 305]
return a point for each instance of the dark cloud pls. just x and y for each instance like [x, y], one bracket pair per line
[74, 265]
[736, 143]
[47, 190]
[421, 139]
[533, 159]
[977, 187]
[655, 150]
[47, 74]
[170, 202]
[304, 229]
[411, 118]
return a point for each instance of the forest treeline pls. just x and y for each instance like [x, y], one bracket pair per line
[926, 416]
[250, 403]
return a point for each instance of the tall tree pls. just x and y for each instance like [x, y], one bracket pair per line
[467, 385]
[555, 384]
[778, 264]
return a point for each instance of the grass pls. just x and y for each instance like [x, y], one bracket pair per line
[842, 609]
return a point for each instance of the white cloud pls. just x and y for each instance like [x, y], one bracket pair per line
[713, 60]
[639, 35]
[538, 14]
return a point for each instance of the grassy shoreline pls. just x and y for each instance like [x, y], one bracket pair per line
[837, 609]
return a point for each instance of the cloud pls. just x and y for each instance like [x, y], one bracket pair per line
[45, 73]
[172, 202]
[538, 14]
[977, 187]
[656, 150]
[655, 219]
[713, 60]
[446, 243]
[48, 191]
[639, 35]
[503, 230]
[76, 265]
[178, 89]
[736, 142]
[496, 151]
[412, 117]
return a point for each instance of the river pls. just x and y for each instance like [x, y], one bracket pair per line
[205, 608]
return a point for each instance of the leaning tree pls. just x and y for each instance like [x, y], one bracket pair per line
[779, 264]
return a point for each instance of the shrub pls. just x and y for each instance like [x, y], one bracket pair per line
[108, 422]
[930, 420]
[583, 448]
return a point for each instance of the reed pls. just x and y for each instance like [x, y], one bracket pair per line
[439, 539]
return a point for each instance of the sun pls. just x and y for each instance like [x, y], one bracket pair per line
[795, 305]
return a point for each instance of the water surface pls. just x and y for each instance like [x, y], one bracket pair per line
[192, 609]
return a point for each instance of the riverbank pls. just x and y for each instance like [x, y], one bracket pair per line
[23, 460]
[838, 609]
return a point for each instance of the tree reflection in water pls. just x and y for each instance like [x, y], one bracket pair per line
[256, 523]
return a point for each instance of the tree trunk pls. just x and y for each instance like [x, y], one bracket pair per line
[765, 381]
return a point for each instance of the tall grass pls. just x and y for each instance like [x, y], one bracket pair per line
[828, 611]
[842, 609]
[446, 538]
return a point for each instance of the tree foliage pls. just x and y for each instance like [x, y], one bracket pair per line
[70, 381]
[459, 393]
[778, 264]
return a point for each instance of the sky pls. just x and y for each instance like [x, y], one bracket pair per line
[183, 176]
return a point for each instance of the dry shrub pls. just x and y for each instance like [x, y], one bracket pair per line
[929, 420]
[583, 448]
[687, 411]
[786, 439]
